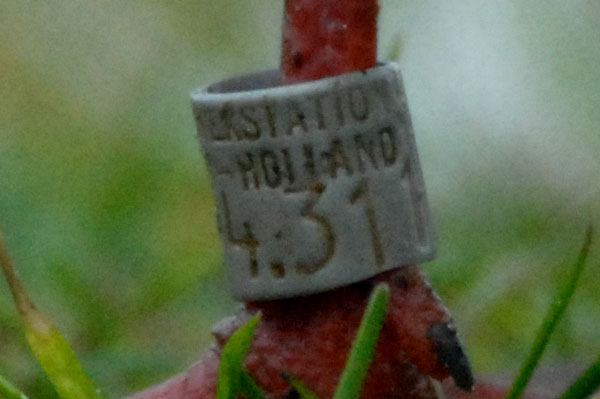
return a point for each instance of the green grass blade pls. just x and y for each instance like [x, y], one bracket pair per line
[49, 347]
[365, 343]
[299, 387]
[234, 380]
[58, 360]
[586, 385]
[9, 391]
[551, 320]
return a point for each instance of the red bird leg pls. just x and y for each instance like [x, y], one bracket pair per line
[310, 337]
[328, 37]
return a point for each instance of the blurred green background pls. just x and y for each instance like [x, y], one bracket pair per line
[106, 207]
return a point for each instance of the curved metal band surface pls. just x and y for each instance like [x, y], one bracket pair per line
[318, 185]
